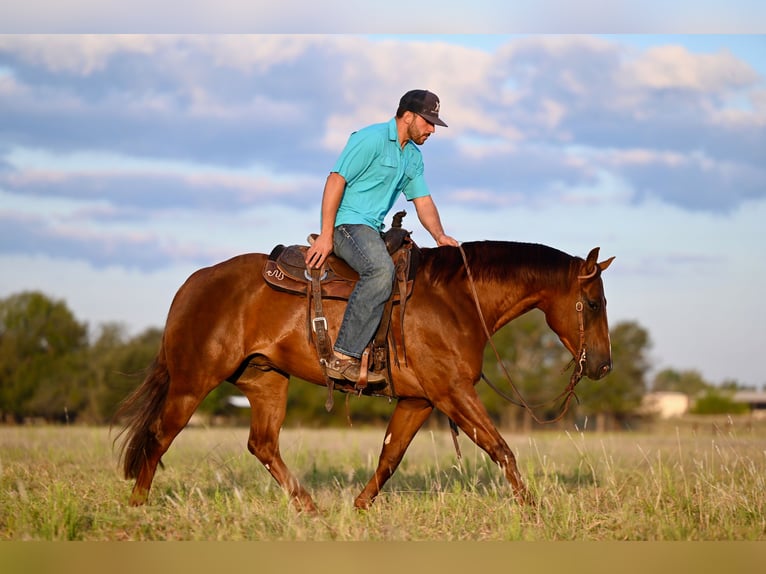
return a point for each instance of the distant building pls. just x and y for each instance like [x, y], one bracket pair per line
[756, 400]
[665, 404]
[239, 401]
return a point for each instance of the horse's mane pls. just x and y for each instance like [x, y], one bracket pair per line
[498, 261]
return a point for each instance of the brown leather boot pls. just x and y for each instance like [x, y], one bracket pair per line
[349, 369]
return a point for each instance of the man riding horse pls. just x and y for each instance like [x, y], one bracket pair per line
[255, 336]
[378, 163]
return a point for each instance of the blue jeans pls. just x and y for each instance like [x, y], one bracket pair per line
[362, 247]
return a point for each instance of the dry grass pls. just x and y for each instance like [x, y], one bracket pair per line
[62, 483]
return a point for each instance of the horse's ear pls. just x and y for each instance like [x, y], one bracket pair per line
[590, 267]
[604, 264]
[590, 260]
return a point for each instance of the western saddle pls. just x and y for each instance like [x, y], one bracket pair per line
[286, 271]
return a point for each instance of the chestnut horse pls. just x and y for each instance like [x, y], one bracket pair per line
[226, 323]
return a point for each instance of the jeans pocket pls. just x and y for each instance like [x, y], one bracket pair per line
[342, 229]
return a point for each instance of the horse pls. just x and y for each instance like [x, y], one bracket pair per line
[226, 324]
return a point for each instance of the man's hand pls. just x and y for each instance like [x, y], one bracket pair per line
[318, 252]
[445, 239]
[334, 188]
[429, 217]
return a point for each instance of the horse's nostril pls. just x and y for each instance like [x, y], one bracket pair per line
[605, 368]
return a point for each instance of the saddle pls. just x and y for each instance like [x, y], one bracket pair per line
[285, 270]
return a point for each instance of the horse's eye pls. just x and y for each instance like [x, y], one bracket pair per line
[594, 305]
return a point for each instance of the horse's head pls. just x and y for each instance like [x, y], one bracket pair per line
[579, 318]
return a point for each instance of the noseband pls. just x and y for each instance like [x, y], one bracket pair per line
[580, 359]
[580, 368]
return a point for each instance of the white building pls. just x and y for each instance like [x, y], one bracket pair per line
[665, 404]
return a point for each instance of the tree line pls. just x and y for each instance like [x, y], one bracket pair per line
[53, 369]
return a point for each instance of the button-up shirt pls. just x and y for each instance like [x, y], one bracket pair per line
[377, 169]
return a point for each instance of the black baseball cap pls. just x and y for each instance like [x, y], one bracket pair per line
[423, 103]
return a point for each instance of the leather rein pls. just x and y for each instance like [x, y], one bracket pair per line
[577, 373]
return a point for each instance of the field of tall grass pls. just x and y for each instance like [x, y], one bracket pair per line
[684, 482]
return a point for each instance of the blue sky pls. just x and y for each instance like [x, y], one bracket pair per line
[127, 162]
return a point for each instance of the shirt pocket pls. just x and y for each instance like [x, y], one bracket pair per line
[389, 162]
[388, 171]
[410, 173]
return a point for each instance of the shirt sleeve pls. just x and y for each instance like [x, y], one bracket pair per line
[416, 187]
[356, 157]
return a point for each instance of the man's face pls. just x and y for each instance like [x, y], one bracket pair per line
[419, 129]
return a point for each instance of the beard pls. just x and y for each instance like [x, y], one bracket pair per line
[417, 136]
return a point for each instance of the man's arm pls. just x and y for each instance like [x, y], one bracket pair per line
[429, 217]
[334, 188]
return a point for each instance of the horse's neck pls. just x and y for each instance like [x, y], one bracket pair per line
[502, 302]
[531, 277]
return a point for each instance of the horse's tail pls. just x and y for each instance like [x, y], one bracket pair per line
[141, 412]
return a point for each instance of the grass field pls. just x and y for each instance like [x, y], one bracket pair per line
[680, 483]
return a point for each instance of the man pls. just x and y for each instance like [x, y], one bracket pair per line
[378, 163]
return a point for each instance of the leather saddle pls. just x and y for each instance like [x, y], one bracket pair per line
[285, 270]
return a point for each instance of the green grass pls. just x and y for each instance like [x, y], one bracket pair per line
[63, 483]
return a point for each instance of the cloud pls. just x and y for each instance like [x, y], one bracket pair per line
[696, 182]
[31, 235]
[157, 190]
[675, 67]
[81, 55]
[174, 98]
[132, 128]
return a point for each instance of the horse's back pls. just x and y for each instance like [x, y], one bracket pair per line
[230, 276]
[216, 296]
[238, 266]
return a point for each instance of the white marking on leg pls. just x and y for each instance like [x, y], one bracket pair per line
[388, 439]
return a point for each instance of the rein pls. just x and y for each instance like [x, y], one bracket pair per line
[577, 373]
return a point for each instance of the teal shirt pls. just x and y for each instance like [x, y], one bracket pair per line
[377, 170]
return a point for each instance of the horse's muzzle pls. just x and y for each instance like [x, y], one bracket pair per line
[603, 370]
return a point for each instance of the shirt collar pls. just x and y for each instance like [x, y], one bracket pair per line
[393, 134]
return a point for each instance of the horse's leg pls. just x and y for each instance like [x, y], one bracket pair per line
[408, 416]
[267, 393]
[179, 405]
[467, 410]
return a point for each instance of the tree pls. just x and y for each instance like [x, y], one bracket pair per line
[534, 358]
[42, 358]
[688, 382]
[718, 402]
[119, 366]
[618, 395]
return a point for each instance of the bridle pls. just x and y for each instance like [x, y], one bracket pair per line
[568, 393]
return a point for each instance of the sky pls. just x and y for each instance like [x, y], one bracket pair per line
[129, 161]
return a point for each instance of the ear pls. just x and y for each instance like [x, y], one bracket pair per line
[604, 264]
[590, 260]
[590, 267]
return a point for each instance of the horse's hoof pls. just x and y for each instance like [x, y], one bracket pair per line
[138, 497]
[305, 506]
[363, 504]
